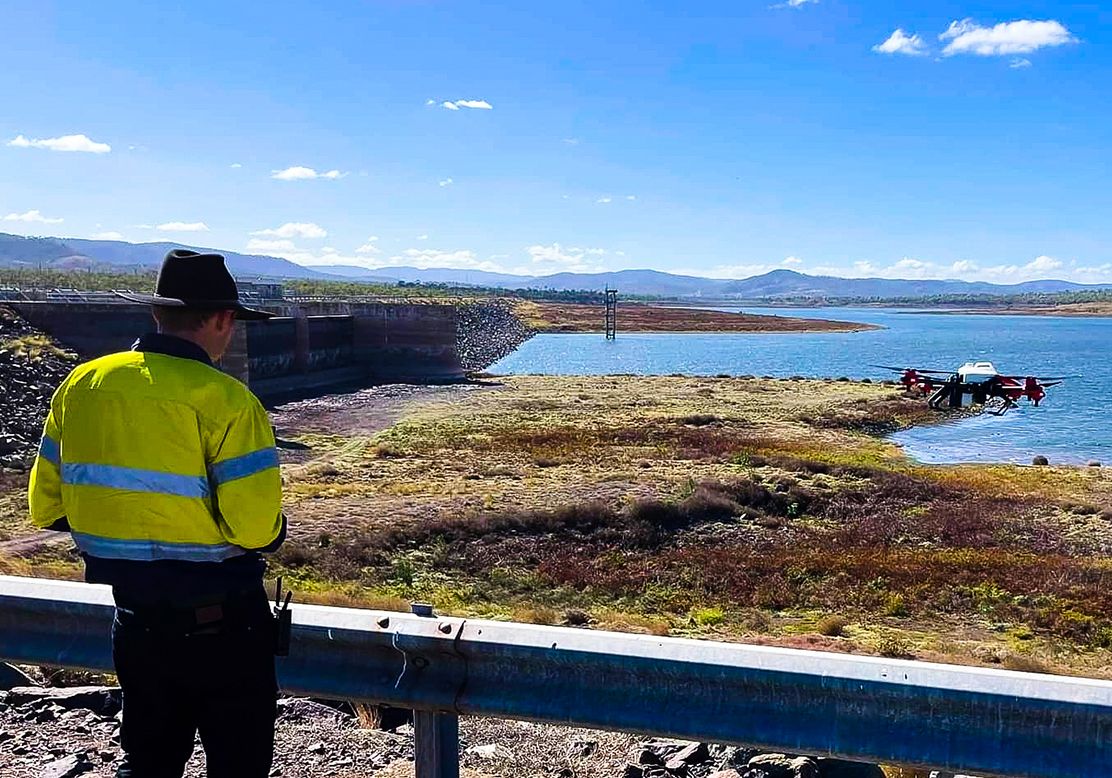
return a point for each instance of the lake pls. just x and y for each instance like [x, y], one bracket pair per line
[1069, 427]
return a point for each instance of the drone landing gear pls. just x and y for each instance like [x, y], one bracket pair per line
[1000, 405]
[948, 394]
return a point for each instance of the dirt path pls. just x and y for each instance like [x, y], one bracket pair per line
[361, 413]
[31, 543]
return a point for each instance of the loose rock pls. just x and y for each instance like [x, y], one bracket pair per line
[68, 767]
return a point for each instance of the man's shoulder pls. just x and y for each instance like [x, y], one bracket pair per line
[207, 385]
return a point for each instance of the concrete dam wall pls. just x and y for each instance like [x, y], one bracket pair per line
[305, 348]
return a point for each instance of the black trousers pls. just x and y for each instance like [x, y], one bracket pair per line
[176, 683]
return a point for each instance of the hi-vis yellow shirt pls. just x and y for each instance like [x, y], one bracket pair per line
[157, 457]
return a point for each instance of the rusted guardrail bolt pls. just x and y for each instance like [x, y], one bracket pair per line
[446, 628]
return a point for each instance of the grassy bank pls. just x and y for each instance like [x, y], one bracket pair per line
[738, 509]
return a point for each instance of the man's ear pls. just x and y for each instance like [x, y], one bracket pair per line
[227, 320]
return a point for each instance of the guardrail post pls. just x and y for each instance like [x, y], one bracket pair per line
[435, 735]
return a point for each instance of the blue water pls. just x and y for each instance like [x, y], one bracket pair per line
[1071, 425]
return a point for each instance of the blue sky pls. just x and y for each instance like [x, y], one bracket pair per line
[916, 139]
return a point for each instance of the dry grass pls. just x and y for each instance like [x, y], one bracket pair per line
[34, 347]
[733, 507]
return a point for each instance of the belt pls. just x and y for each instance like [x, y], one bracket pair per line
[234, 612]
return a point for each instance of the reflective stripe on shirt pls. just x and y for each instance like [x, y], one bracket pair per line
[50, 450]
[154, 550]
[243, 466]
[134, 479]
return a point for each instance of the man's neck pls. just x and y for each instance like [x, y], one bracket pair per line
[191, 337]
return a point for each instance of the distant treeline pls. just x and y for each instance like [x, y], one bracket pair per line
[94, 280]
[991, 301]
[108, 278]
[935, 300]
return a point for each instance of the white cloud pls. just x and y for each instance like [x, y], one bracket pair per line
[1006, 38]
[795, 3]
[900, 42]
[631, 198]
[555, 258]
[864, 267]
[430, 101]
[427, 258]
[605, 200]
[446, 182]
[261, 244]
[235, 166]
[65, 143]
[183, 227]
[455, 105]
[907, 263]
[571, 141]
[1043, 264]
[369, 247]
[1020, 62]
[110, 235]
[299, 173]
[964, 266]
[791, 261]
[295, 230]
[422, 237]
[31, 216]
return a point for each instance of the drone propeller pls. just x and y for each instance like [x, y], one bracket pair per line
[917, 370]
[1041, 379]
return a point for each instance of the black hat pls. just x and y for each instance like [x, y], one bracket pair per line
[189, 279]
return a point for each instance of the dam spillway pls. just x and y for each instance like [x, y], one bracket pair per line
[307, 347]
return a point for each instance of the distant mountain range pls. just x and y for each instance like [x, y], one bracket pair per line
[79, 254]
[75, 253]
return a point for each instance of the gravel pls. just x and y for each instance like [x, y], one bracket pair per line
[26, 384]
[487, 333]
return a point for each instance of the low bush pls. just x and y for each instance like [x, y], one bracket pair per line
[832, 626]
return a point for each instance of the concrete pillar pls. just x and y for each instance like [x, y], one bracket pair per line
[301, 342]
[235, 360]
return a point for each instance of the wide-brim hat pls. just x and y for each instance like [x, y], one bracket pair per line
[189, 279]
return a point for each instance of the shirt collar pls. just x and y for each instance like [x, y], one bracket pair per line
[172, 346]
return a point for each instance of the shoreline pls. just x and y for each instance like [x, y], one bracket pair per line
[562, 318]
[1047, 312]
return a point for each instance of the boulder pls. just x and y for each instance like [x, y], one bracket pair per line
[783, 766]
[1040, 461]
[102, 700]
[691, 755]
[67, 767]
[11, 677]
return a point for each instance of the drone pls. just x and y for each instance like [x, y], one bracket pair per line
[981, 381]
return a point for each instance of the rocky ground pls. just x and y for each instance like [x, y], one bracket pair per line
[31, 366]
[488, 332]
[66, 732]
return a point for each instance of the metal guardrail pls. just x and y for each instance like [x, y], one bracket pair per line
[984, 721]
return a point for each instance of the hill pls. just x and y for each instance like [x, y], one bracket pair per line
[77, 253]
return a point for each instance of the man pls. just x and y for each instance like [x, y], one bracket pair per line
[164, 470]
